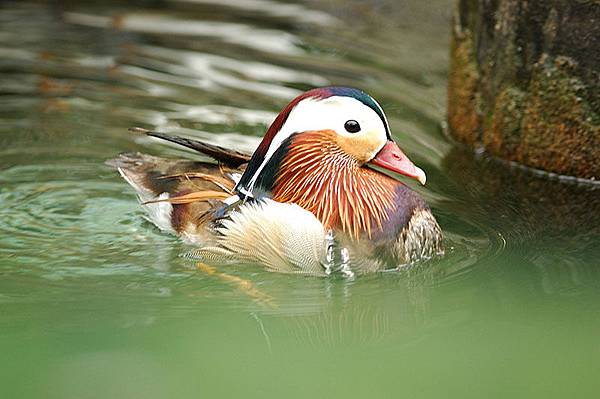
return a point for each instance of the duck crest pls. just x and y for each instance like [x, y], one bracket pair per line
[319, 176]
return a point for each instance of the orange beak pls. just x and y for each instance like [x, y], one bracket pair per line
[392, 158]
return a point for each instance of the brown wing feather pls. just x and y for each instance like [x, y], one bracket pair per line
[192, 197]
[224, 155]
[194, 188]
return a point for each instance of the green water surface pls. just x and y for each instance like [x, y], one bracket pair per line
[96, 303]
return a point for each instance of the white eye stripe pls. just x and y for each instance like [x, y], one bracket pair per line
[323, 114]
[385, 121]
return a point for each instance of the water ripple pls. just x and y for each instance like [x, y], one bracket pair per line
[266, 40]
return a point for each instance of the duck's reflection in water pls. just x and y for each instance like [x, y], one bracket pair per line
[338, 312]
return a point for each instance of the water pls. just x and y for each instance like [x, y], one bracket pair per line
[96, 303]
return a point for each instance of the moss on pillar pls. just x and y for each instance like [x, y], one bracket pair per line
[524, 82]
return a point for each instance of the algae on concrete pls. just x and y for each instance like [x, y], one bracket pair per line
[524, 82]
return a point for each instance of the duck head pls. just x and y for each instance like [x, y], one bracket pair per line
[318, 153]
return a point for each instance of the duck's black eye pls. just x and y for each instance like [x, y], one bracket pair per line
[352, 126]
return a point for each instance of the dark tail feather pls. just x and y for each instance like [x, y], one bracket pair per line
[228, 157]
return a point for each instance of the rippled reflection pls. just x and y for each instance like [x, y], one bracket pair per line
[295, 12]
[90, 286]
[228, 32]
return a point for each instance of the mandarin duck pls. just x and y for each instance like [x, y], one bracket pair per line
[309, 200]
